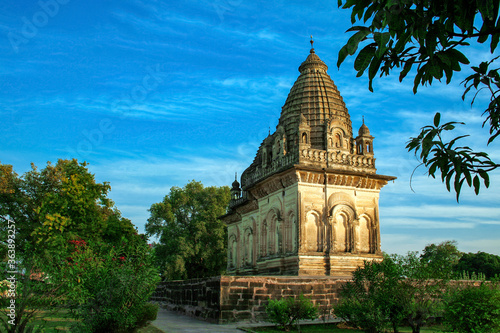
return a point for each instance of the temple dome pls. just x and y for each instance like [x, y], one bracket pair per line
[363, 130]
[312, 62]
[315, 96]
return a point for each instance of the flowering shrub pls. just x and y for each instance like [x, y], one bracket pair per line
[108, 286]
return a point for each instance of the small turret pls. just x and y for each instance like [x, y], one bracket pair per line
[235, 190]
[364, 141]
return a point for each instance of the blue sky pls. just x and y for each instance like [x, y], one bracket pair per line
[153, 94]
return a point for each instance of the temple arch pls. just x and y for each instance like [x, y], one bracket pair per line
[313, 232]
[364, 234]
[248, 247]
[233, 251]
[343, 217]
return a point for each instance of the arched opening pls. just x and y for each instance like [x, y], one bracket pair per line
[364, 235]
[304, 138]
[312, 232]
[341, 232]
[263, 240]
[248, 247]
[338, 140]
[233, 252]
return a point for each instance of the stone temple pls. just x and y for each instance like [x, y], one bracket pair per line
[308, 205]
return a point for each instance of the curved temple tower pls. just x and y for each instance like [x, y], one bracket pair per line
[308, 204]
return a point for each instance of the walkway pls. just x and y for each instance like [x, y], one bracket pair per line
[171, 322]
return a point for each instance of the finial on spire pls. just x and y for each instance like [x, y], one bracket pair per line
[236, 176]
[312, 44]
[363, 119]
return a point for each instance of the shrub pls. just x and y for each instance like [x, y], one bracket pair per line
[375, 298]
[288, 311]
[110, 287]
[474, 309]
[149, 313]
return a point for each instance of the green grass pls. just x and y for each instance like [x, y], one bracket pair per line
[61, 321]
[52, 321]
[332, 328]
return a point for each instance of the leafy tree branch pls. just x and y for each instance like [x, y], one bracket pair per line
[428, 36]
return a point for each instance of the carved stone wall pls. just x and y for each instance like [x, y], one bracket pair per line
[225, 299]
[306, 222]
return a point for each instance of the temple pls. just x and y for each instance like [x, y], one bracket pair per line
[309, 202]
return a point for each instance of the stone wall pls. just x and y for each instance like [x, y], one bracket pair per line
[225, 299]
[195, 297]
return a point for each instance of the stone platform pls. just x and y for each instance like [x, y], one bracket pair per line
[223, 299]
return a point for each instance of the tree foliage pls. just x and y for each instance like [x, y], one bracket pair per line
[375, 299]
[192, 240]
[428, 36]
[59, 203]
[27, 297]
[108, 287]
[398, 289]
[474, 309]
[287, 312]
[479, 263]
[440, 260]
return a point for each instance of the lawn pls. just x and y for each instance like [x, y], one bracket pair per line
[61, 321]
[333, 328]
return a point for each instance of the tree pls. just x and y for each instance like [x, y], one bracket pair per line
[375, 298]
[400, 288]
[479, 263]
[473, 309]
[428, 35]
[423, 289]
[441, 259]
[192, 240]
[27, 297]
[59, 203]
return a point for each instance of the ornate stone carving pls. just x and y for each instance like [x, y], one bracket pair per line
[309, 200]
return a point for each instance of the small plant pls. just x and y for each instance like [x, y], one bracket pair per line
[287, 312]
[474, 309]
[149, 313]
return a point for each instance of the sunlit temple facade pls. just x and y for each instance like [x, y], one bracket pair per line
[309, 202]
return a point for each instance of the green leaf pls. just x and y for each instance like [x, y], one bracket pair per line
[406, 68]
[494, 42]
[477, 184]
[455, 54]
[342, 55]
[353, 42]
[372, 71]
[485, 176]
[381, 38]
[437, 118]
[364, 58]
[458, 185]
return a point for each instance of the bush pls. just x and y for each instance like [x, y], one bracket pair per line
[474, 309]
[375, 298]
[288, 311]
[110, 286]
[149, 313]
